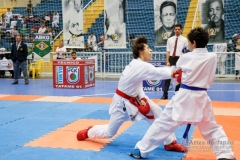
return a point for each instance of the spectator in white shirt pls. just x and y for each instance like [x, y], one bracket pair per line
[74, 56]
[55, 20]
[91, 41]
[42, 29]
[13, 33]
[61, 51]
[8, 15]
[47, 19]
[3, 21]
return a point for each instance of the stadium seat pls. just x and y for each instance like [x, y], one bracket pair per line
[36, 68]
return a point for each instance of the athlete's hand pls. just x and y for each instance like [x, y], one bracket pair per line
[177, 74]
[143, 103]
[144, 107]
[167, 64]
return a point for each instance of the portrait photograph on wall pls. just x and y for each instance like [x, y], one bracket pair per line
[73, 23]
[115, 24]
[212, 18]
[165, 17]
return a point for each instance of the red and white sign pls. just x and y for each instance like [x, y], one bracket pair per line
[77, 74]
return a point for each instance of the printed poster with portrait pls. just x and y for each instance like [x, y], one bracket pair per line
[72, 11]
[212, 19]
[165, 17]
[115, 24]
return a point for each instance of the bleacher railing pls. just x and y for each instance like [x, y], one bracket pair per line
[111, 64]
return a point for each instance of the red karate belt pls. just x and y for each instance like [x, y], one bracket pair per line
[134, 101]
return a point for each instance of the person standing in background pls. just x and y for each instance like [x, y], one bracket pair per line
[9, 16]
[92, 41]
[55, 22]
[19, 54]
[237, 59]
[175, 45]
[61, 51]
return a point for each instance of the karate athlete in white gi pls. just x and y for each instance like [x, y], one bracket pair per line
[190, 104]
[130, 99]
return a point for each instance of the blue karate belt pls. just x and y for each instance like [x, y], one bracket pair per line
[193, 88]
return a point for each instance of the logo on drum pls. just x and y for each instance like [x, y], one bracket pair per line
[91, 73]
[86, 74]
[153, 82]
[59, 75]
[73, 74]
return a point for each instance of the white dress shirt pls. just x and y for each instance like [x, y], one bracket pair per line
[182, 42]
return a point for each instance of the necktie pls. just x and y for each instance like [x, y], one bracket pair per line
[175, 48]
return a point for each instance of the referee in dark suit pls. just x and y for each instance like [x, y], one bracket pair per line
[19, 54]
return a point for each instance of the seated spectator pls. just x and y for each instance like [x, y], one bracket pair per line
[9, 16]
[49, 32]
[61, 51]
[30, 39]
[74, 56]
[34, 29]
[42, 29]
[55, 22]
[13, 33]
[47, 19]
[3, 50]
[101, 42]
[92, 41]
[3, 21]
[29, 8]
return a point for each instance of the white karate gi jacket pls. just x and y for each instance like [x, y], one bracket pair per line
[131, 83]
[196, 73]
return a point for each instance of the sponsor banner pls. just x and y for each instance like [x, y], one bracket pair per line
[30, 50]
[115, 24]
[42, 46]
[77, 74]
[86, 74]
[212, 19]
[154, 85]
[59, 74]
[72, 12]
[73, 74]
[165, 17]
[91, 73]
[6, 64]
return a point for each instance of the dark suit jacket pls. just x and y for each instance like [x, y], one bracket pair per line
[19, 54]
[161, 37]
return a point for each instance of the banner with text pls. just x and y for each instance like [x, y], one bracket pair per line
[42, 46]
